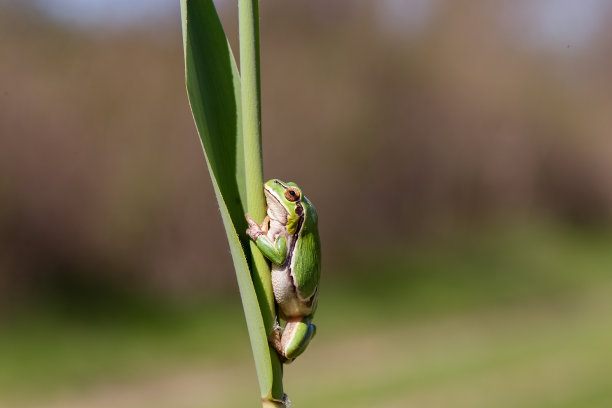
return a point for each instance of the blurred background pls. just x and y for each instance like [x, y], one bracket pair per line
[458, 153]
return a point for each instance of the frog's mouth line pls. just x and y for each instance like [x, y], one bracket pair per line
[276, 210]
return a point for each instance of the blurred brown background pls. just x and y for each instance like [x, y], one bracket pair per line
[410, 124]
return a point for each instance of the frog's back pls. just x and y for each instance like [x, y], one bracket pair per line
[306, 268]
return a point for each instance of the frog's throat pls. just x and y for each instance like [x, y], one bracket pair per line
[276, 210]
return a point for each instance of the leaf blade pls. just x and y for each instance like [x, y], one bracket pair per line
[213, 87]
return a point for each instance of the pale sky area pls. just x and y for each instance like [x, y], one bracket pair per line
[549, 22]
[107, 12]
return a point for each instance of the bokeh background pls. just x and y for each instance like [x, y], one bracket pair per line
[458, 153]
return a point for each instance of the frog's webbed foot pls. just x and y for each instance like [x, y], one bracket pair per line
[254, 230]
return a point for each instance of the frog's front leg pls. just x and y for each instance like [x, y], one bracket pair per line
[275, 251]
[296, 336]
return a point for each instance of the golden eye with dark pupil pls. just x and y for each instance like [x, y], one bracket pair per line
[292, 195]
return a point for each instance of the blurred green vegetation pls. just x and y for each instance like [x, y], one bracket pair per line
[509, 317]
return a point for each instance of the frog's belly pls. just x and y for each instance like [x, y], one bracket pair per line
[289, 303]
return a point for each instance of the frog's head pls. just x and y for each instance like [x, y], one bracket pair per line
[284, 203]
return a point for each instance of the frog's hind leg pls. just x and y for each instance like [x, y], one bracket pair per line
[297, 334]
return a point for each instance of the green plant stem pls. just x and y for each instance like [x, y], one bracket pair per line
[251, 128]
[267, 403]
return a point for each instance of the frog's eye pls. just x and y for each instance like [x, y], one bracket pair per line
[292, 194]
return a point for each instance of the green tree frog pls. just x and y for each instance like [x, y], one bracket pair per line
[289, 238]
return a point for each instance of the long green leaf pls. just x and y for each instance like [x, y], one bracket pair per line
[213, 86]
